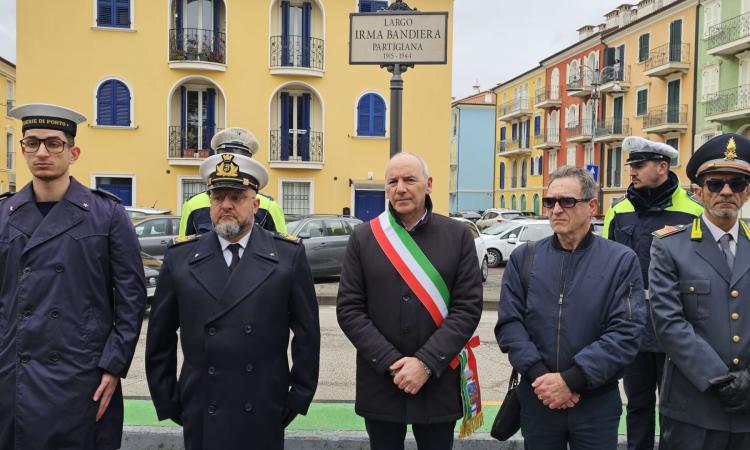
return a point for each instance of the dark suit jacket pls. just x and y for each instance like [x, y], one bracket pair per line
[236, 382]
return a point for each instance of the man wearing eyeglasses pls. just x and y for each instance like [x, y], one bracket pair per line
[700, 301]
[653, 199]
[575, 325]
[72, 297]
[234, 293]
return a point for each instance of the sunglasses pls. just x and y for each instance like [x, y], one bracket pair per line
[565, 202]
[716, 185]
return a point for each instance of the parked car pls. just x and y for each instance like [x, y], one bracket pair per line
[508, 236]
[151, 267]
[135, 212]
[480, 246]
[156, 232]
[598, 225]
[498, 215]
[471, 215]
[325, 238]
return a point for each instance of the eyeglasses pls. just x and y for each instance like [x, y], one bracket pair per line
[565, 202]
[218, 197]
[52, 144]
[716, 185]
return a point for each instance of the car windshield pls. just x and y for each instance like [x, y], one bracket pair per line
[495, 230]
[292, 226]
[537, 231]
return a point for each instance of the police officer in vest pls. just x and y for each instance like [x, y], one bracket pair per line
[195, 211]
[700, 302]
[653, 199]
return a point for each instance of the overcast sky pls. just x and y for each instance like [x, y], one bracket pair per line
[494, 40]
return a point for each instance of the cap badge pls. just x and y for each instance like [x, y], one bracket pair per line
[731, 153]
[227, 168]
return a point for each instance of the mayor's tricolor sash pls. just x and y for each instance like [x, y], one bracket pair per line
[430, 288]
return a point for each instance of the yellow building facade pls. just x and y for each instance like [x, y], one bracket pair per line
[157, 79]
[651, 92]
[10, 126]
[519, 181]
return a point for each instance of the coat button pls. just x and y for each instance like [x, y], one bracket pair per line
[406, 298]
[59, 268]
[211, 410]
[442, 357]
[248, 329]
[736, 361]
[249, 368]
[735, 316]
[374, 360]
[691, 289]
[26, 270]
[54, 314]
[734, 293]
[735, 339]
[248, 407]
[54, 357]
[212, 331]
[212, 370]
[25, 359]
[27, 314]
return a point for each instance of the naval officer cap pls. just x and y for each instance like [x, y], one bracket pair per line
[231, 171]
[235, 140]
[641, 149]
[728, 152]
[46, 116]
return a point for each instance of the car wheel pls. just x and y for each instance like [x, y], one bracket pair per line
[494, 257]
[485, 270]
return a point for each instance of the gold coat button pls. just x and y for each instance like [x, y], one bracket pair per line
[736, 361]
[735, 316]
[691, 289]
[735, 339]
[734, 294]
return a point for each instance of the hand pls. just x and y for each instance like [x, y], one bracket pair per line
[553, 392]
[409, 374]
[734, 391]
[289, 416]
[104, 392]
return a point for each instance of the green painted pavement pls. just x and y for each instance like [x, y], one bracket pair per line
[322, 416]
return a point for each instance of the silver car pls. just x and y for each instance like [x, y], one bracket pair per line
[325, 239]
[156, 232]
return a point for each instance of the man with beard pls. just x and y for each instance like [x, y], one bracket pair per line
[234, 293]
[654, 199]
[700, 301]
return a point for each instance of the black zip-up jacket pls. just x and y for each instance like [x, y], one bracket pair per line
[583, 317]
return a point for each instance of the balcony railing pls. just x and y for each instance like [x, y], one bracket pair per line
[668, 53]
[614, 73]
[193, 44]
[510, 145]
[728, 101]
[9, 104]
[612, 126]
[549, 136]
[728, 31]
[550, 94]
[665, 115]
[191, 141]
[579, 130]
[296, 51]
[296, 146]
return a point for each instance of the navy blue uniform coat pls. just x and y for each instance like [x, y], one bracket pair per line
[72, 297]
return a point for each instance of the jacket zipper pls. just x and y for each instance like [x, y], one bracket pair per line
[559, 306]
[627, 301]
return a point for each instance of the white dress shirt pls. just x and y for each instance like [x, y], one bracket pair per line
[717, 233]
[225, 246]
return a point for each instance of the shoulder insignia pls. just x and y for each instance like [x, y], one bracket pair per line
[617, 200]
[6, 195]
[745, 228]
[183, 239]
[696, 234]
[287, 237]
[107, 194]
[668, 230]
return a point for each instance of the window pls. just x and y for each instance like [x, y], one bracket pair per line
[502, 201]
[589, 159]
[641, 107]
[295, 197]
[675, 144]
[514, 174]
[336, 227]
[9, 99]
[192, 187]
[537, 125]
[502, 175]
[155, 227]
[643, 47]
[371, 116]
[614, 163]
[312, 229]
[372, 5]
[9, 150]
[113, 13]
[513, 203]
[571, 156]
[712, 18]
[120, 186]
[710, 83]
[113, 104]
[524, 169]
[552, 161]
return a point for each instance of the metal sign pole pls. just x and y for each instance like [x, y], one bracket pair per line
[397, 90]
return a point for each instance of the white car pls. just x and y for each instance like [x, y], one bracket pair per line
[503, 238]
[480, 246]
[494, 216]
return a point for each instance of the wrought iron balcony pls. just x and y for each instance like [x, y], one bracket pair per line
[729, 37]
[516, 109]
[518, 146]
[191, 142]
[665, 119]
[614, 79]
[547, 98]
[300, 148]
[729, 104]
[612, 130]
[296, 51]
[197, 45]
[580, 132]
[667, 59]
[549, 139]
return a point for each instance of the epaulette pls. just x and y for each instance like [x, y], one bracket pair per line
[5, 195]
[617, 200]
[668, 230]
[287, 237]
[107, 194]
[183, 239]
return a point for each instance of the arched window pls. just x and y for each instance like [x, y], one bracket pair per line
[514, 174]
[502, 175]
[371, 115]
[523, 202]
[537, 206]
[524, 167]
[513, 204]
[113, 104]
[502, 201]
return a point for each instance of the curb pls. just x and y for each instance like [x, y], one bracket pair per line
[170, 438]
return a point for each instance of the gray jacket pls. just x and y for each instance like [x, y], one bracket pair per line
[700, 309]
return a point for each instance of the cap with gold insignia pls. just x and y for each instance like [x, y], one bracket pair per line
[235, 140]
[48, 117]
[728, 152]
[641, 149]
[230, 171]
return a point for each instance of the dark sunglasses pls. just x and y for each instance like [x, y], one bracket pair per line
[565, 202]
[716, 185]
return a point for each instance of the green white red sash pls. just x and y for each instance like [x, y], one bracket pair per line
[425, 281]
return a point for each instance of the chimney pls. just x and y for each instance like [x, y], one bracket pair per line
[585, 31]
[477, 87]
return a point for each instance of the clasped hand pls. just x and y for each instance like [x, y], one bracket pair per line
[551, 389]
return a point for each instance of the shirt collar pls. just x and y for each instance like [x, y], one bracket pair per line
[717, 232]
[243, 242]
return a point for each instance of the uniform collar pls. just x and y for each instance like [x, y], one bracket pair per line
[657, 198]
[717, 232]
[243, 242]
[77, 194]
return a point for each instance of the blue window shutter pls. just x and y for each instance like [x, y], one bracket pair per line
[285, 38]
[284, 126]
[363, 115]
[121, 104]
[537, 125]
[306, 125]
[378, 115]
[179, 35]
[210, 125]
[122, 13]
[104, 103]
[183, 118]
[502, 175]
[372, 5]
[502, 133]
[104, 13]
[306, 28]
[514, 131]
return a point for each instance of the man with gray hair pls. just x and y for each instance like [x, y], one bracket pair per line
[570, 353]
